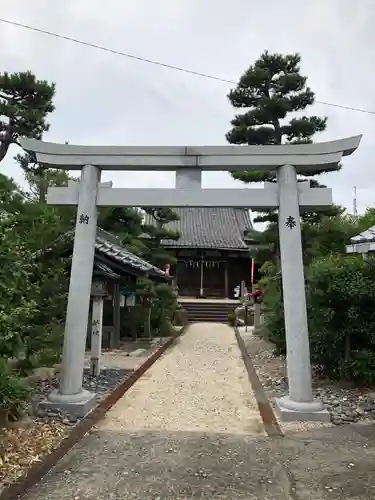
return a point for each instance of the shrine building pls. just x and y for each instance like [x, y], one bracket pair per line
[213, 252]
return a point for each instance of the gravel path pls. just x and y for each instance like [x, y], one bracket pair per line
[188, 428]
[200, 385]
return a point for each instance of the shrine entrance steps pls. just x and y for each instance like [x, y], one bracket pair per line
[208, 310]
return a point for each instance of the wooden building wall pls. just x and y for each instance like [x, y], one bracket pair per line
[222, 272]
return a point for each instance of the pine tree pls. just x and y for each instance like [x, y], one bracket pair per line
[11, 198]
[270, 91]
[39, 178]
[126, 223]
[271, 88]
[25, 103]
[163, 299]
[274, 94]
[157, 232]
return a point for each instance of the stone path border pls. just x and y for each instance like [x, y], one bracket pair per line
[19, 489]
[270, 422]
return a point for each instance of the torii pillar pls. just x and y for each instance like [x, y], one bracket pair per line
[287, 195]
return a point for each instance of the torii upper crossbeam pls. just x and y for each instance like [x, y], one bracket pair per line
[303, 157]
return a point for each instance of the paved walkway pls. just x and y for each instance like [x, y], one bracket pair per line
[182, 431]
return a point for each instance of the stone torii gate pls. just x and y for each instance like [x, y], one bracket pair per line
[287, 195]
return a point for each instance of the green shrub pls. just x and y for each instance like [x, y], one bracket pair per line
[164, 307]
[158, 301]
[17, 292]
[166, 329]
[273, 307]
[361, 366]
[14, 394]
[340, 296]
[275, 326]
[231, 319]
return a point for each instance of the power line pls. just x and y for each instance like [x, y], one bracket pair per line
[157, 63]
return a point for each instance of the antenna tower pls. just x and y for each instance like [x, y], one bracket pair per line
[355, 210]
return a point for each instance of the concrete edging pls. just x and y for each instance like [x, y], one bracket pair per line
[19, 489]
[271, 425]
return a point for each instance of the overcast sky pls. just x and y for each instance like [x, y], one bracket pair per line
[104, 98]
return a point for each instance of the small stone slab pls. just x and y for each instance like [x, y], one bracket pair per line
[132, 363]
[136, 353]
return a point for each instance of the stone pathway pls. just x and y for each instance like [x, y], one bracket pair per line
[185, 430]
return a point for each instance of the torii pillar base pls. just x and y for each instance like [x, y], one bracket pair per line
[293, 411]
[78, 405]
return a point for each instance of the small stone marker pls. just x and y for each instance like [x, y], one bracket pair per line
[98, 291]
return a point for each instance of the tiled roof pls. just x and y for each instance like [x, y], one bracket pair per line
[103, 270]
[216, 228]
[366, 236]
[110, 246]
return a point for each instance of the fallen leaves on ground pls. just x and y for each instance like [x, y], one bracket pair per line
[21, 448]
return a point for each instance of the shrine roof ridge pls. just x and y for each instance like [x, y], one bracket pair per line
[224, 157]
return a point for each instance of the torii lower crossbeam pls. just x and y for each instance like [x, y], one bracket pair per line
[256, 199]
